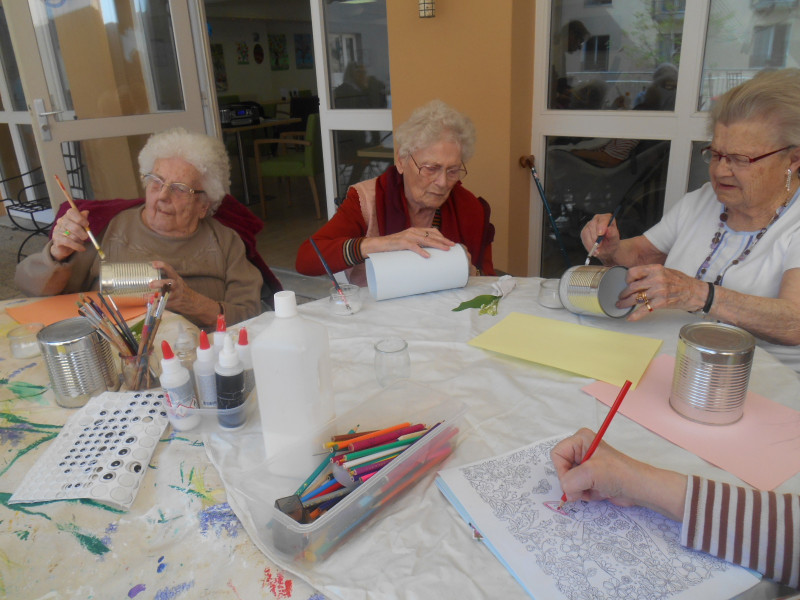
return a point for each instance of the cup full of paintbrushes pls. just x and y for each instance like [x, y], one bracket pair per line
[128, 282]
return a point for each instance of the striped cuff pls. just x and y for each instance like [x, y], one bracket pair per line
[351, 251]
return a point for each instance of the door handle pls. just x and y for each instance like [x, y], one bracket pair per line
[41, 118]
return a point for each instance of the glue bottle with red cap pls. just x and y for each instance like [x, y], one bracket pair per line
[177, 384]
[243, 350]
[219, 335]
[205, 379]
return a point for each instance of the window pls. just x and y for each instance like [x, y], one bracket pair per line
[770, 43]
[595, 53]
[669, 47]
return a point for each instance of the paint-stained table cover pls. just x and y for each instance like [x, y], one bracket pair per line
[180, 539]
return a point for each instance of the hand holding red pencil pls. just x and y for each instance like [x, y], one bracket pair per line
[569, 455]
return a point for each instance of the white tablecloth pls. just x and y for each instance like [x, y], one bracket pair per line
[418, 547]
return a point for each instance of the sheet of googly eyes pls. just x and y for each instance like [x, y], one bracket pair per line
[102, 451]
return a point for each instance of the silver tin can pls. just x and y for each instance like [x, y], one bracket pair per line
[593, 290]
[712, 372]
[128, 282]
[79, 361]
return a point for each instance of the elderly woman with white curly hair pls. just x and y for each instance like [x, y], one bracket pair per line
[417, 203]
[185, 176]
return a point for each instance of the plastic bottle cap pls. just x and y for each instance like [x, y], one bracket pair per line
[228, 356]
[204, 343]
[285, 304]
[169, 364]
[220, 322]
[243, 336]
[166, 350]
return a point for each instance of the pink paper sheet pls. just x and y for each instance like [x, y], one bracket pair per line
[762, 448]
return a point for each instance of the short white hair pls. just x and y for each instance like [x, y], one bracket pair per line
[205, 153]
[432, 123]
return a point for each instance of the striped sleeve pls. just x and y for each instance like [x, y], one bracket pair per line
[758, 530]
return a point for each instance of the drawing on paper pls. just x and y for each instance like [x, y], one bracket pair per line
[588, 549]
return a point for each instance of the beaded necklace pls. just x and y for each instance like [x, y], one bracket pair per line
[715, 241]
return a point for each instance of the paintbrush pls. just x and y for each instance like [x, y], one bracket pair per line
[601, 237]
[89, 231]
[600, 432]
[330, 274]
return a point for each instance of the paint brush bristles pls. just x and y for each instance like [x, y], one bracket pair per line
[89, 231]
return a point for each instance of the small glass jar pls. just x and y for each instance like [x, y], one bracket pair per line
[23, 341]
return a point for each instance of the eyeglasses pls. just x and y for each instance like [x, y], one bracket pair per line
[177, 190]
[431, 172]
[736, 161]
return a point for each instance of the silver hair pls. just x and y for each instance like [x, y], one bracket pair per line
[205, 153]
[432, 123]
[772, 95]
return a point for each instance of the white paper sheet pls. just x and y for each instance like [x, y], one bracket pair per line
[405, 273]
[586, 550]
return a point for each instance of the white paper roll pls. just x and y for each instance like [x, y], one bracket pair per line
[404, 273]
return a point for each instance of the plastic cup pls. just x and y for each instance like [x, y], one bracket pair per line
[350, 297]
[23, 341]
[392, 361]
[140, 372]
[548, 293]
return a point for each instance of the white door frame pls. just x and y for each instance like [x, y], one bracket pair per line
[681, 127]
[32, 73]
[337, 120]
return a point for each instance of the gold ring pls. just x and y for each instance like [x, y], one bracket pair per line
[647, 304]
[427, 233]
[66, 233]
[641, 298]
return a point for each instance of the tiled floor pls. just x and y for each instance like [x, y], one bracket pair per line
[288, 224]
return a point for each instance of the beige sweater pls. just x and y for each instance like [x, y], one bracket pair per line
[211, 261]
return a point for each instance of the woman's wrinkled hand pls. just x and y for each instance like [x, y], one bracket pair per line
[69, 234]
[415, 239]
[654, 286]
[599, 226]
[182, 298]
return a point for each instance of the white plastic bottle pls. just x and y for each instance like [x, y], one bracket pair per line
[205, 379]
[230, 387]
[185, 348]
[220, 334]
[177, 384]
[243, 350]
[291, 360]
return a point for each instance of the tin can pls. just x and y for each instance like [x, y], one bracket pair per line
[593, 290]
[128, 282]
[712, 372]
[79, 361]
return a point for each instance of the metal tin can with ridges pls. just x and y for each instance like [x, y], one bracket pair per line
[79, 361]
[128, 282]
[712, 372]
[593, 290]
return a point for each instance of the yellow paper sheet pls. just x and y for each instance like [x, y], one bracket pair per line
[604, 355]
[57, 308]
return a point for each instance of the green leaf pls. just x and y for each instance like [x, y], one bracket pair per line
[477, 302]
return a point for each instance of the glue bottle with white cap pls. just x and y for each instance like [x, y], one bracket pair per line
[230, 387]
[291, 360]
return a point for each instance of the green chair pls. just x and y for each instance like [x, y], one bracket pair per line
[296, 156]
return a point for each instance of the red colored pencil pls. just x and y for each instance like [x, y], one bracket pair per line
[601, 432]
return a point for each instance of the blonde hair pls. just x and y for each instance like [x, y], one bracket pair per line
[205, 153]
[772, 95]
[435, 122]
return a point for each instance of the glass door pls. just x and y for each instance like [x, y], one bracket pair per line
[98, 79]
[355, 92]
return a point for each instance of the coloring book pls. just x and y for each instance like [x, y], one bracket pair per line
[585, 549]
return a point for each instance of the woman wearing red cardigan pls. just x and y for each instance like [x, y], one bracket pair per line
[417, 203]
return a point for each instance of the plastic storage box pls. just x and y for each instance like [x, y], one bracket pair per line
[211, 420]
[252, 491]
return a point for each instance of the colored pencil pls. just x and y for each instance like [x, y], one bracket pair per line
[369, 451]
[383, 439]
[89, 231]
[304, 486]
[366, 436]
[601, 432]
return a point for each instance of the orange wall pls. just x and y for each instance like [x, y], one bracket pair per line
[477, 56]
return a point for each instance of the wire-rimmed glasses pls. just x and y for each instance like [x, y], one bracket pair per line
[432, 172]
[177, 190]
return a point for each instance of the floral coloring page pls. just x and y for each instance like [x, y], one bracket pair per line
[585, 549]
